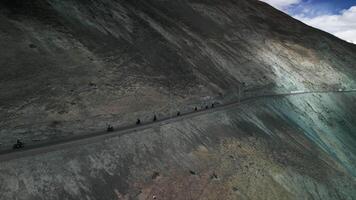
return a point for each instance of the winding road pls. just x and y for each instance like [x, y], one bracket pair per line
[72, 142]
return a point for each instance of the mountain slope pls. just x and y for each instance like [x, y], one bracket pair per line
[255, 151]
[77, 65]
[70, 67]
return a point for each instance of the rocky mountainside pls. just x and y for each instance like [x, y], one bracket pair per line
[70, 67]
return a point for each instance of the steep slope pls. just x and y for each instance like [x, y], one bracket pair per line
[72, 66]
[256, 151]
[69, 67]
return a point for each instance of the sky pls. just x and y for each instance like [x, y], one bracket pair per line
[337, 17]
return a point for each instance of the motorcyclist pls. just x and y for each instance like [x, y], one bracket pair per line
[110, 128]
[18, 144]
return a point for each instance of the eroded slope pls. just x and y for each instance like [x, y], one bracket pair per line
[70, 67]
[255, 151]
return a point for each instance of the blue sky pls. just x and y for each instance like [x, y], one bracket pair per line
[337, 17]
[319, 7]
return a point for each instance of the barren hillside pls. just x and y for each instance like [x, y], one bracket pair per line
[70, 67]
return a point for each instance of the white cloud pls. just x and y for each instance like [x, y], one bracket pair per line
[342, 25]
[281, 4]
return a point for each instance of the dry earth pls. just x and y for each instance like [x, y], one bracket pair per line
[69, 67]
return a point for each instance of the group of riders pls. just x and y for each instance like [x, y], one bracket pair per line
[110, 128]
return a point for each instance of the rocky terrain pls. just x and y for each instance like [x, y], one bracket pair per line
[266, 149]
[70, 67]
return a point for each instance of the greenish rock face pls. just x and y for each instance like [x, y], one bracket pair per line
[258, 150]
[70, 67]
[328, 121]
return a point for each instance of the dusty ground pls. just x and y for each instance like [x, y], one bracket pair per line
[70, 67]
[252, 152]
